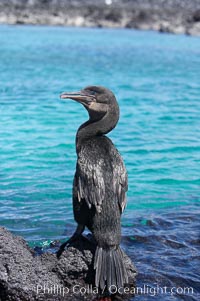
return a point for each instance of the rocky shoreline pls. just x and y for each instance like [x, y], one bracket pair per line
[177, 16]
[27, 274]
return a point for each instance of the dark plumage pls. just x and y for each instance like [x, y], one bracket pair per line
[100, 184]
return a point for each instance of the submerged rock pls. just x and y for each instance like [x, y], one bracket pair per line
[25, 275]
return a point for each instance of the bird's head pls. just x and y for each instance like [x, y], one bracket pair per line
[98, 101]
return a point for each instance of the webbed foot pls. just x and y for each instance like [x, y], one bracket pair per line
[75, 236]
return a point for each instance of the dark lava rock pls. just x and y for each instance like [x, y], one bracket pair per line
[196, 16]
[25, 275]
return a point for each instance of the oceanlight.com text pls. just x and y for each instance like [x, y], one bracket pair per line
[89, 289]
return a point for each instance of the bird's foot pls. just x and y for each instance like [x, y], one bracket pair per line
[67, 244]
[62, 247]
[75, 236]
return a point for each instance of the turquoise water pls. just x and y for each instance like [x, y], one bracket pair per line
[156, 80]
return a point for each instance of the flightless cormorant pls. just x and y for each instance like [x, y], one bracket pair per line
[100, 185]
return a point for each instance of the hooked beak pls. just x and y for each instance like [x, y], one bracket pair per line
[81, 96]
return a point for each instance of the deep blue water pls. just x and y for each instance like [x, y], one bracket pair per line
[156, 79]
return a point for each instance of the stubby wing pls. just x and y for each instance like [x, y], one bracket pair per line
[120, 180]
[90, 182]
[99, 171]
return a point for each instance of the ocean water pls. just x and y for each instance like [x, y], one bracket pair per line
[156, 79]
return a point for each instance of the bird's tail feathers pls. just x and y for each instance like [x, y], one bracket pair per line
[110, 269]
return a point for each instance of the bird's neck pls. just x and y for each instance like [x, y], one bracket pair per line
[93, 128]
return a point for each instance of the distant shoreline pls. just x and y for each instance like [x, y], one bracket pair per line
[180, 18]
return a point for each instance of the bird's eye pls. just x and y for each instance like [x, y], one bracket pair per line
[92, 92]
